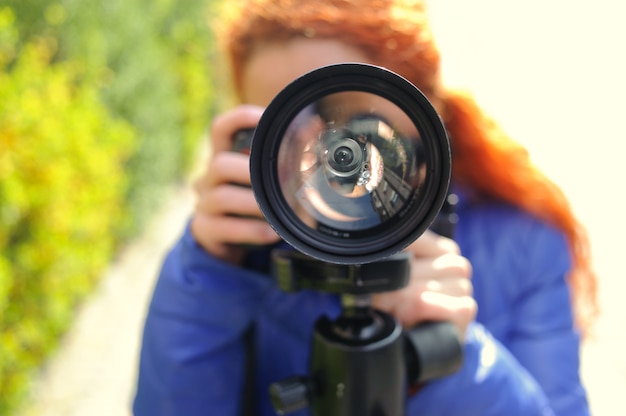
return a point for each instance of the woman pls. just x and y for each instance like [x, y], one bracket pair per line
[516, 282]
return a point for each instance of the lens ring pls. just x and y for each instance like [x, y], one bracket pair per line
[336, 245]
[344, 157]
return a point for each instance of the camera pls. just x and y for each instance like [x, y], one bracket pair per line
[241, 141]
[350, 163]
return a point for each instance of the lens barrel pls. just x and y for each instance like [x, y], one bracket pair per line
[350, 163]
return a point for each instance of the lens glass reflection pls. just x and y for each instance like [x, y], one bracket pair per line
[349, 162]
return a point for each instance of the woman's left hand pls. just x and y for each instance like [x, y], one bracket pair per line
[439, 289]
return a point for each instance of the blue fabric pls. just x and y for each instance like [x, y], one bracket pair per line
[521, 356]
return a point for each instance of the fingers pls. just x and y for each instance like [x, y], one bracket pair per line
[223, 237]
[212, 232]
[453, 286]
[228, 200]
[430, 244]
[224, 167]
[447, 265]
[412, 307]
[439, 288]
[226, 213]
[435, 306]
[449, 284]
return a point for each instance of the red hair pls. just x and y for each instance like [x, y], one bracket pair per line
[396, 34]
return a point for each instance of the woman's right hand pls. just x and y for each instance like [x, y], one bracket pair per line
[226, 213]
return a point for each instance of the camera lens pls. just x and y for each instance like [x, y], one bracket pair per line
[343, 157]
[364, 171]
[354, 163]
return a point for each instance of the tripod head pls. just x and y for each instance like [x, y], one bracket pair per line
[362, 361]
[295, 271]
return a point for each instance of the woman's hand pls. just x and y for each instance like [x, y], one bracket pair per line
[226, 212]
[439, 288]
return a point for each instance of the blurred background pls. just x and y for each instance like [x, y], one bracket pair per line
[103, 106]
[552, 73]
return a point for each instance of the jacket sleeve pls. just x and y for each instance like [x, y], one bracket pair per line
[532, 367]
[192, 358]
[542, 334]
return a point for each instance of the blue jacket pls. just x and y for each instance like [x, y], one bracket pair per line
[521, 357]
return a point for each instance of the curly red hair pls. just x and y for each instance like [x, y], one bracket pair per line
[396, 34]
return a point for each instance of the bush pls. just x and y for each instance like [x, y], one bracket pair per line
[62, 188]
[102, 105]
[152, 61]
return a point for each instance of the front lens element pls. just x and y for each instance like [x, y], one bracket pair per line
[350, 162]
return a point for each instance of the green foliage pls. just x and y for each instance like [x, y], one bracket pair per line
[152, 61]
[62, 188]
[102, 105]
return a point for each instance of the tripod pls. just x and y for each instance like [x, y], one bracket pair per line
[362, 361]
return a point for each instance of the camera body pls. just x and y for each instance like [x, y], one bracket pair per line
[242, 140]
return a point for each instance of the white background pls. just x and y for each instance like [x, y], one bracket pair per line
[552, 73]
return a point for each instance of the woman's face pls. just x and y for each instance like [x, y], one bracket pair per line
[274, 65]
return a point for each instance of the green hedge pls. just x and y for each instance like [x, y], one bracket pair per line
[152, 60]
[62, 188]
[102, 105]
